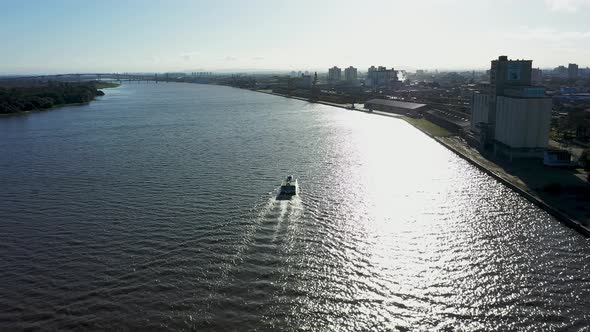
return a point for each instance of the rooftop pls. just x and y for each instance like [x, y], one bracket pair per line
[395, 103]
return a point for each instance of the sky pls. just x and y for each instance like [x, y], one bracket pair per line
[73, 36]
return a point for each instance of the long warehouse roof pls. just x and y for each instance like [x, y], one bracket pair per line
[395, 103]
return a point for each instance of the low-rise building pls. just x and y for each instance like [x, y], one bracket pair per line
[558, 158]
[304, 82]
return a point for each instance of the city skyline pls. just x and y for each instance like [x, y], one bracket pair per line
[66, 36]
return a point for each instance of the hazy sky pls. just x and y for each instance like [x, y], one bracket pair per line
[147, 35]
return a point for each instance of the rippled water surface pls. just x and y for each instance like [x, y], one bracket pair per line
[153, 208]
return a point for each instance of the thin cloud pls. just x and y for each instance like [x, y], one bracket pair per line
[550, 34]
[187, 56]
[567, 5]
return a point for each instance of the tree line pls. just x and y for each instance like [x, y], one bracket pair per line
[31, 98]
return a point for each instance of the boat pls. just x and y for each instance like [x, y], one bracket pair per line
[289, 187]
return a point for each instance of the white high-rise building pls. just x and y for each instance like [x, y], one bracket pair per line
[350, 74]
[334, 74]
[380, 76]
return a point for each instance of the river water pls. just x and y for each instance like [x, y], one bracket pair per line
[153, 208]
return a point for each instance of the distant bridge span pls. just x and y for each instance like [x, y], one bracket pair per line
[121, 77]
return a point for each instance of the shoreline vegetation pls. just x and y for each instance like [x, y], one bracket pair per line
[568, 212]
[24, 99]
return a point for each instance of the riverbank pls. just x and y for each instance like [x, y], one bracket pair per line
[520, 175]
[25, 99]
[54, 107]
[527, 178]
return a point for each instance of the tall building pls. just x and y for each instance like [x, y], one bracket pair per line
[572, 71]
[508, 73]
[504, 74]
[560, 71]
[536, 76]
[515, 116]
[334, 74]
[380, 77]
[350, 74]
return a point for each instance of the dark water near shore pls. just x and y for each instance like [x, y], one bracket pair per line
[153, 208]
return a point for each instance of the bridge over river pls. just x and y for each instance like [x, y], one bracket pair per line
[195, 77]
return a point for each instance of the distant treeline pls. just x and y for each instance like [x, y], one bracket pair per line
[22, 99]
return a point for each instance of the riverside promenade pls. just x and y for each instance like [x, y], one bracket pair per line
[527, 178]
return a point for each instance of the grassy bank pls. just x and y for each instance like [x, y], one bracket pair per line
[106, 85]
[428, 127]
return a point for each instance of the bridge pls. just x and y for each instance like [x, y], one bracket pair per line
[195, 77]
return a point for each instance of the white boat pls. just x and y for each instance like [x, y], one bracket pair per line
[289, 187]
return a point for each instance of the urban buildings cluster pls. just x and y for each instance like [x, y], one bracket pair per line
[375, 76]
[335, 74]
[571, 72]
[509, 109]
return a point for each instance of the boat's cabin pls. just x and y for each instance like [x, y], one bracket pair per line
[289, 183]
[289, 186]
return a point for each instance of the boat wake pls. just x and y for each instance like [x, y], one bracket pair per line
[272, 228]
[290, 213]
[278, 220]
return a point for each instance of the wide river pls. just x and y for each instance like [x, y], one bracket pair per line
[154, 208]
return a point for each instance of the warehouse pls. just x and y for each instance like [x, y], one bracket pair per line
[395, 106]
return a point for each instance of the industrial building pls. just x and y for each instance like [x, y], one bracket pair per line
[522, 124]
[394, 106]
[514, 118]
[480, 105]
